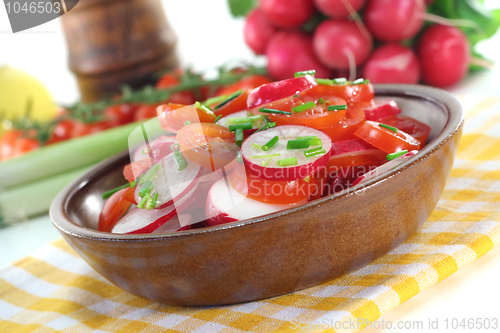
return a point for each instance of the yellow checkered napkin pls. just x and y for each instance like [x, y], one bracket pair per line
[54, 290]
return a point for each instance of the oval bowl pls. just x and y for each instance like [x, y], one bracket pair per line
[277, 253]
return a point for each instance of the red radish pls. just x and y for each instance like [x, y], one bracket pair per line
[381, 108]
[392, 63]
[224, 205]
[385, 168]
[177, 223]
[143, 221]
[258, 31]
[444, 54]
[289, 52]
[270, 92]
[394, 20]
[344, 178]
[339, 9]
[170, 184]
[287, 13]
[354, 153]
[266, 163]
[341, 44]
[160, 148]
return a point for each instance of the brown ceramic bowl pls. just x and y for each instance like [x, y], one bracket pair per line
[277, 253]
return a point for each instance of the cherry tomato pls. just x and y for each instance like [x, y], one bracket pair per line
[270, 191]
[415, 128]
[355, 117]
[317, 117]
[172, 117]
[121, 113]
[210, 145]
[170, 80]
[145, 111]
[7, 143]
[358, 94]
[114, 208]
[24, 145]
[62, 131]
[385, 139]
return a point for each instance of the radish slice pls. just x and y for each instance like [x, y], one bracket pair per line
[160, 147]
[143, 221]
[170, 184]
[240, 114]
[270, 92]
[354, 153]
[381, 108]
[176, 223]
[268, 166]
[344, 178]
[384, 168]
[225, 205]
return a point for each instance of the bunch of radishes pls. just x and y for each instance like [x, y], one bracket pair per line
[358, 38]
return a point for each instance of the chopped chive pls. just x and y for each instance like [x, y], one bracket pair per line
[151, 172]
[307, 179]
[266, 119]
[217, 119]
[266, 126]
[266, 163]
[239, 158]
[205, 108]
[315, 141]
[310, 72]
[324, 82]
[109, 193]
[314, 152]
[180, 161]
[360, 81]
[298, 143]
[271, 143]
[321, 101]
[305, 106]
[266, 110]
[396, 154]
[146, 188]
[265, 156]
[215, 100]
[337, 107]
[243, 126]
[390, 128]
[149, 203]
[187, 122]
[296, 95]
[233, 121]
[229, 99]
[238, 132]
[256, 146]
[339, 80]
[287, 161]
[143, 202]
[154, 201]
[132, 184]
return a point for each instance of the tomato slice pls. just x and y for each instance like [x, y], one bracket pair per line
[359, 94]
[114, 208]
[210, 145]
[317, 117]
[274, 91]
[271, 191]
[172, 117]
[385, 139]
[134, 169]
[415, 128]
[354, 153]
[355, 117]
[233, 106]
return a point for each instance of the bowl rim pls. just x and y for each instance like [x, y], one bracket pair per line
[455, 119]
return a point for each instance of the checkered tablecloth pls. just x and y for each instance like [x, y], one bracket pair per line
[54, 290]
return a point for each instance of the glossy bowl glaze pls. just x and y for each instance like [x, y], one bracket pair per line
[277, 253]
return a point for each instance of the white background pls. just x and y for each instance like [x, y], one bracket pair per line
[208, 36]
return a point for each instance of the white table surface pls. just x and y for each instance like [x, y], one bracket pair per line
[472, 292]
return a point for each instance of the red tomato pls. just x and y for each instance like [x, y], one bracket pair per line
[172, 117]
[121, 113]
[418, 130]
[235, 105]
[317, 117]
[62, 131]
[145, 111]
[114, 208]
[210, 145]
[386, 139]
[358, 94]
[7, 143]
[82, 129]
[14, 143]
[355, 117]
[24, 145]
[170, 80]
[270, 191]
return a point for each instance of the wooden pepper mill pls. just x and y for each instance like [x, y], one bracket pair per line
[116, 42]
